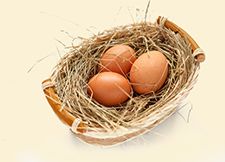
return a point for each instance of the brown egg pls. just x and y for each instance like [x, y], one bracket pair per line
[118, 58]
[149, 72]
[109, 88]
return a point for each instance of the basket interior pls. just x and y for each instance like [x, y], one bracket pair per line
[75, 69]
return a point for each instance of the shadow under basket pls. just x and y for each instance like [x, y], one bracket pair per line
[74, 107]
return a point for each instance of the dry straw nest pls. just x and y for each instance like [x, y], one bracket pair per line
[112, 125]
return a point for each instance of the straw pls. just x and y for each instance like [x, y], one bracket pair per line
[75, 69]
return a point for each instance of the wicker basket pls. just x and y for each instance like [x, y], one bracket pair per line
[80, 128]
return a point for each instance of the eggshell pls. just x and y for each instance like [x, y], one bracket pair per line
[109, 88]
[149, 72]
[118, 58]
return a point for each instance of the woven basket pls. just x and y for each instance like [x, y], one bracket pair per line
[80, 128]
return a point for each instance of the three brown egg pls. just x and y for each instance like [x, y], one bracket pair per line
[111, 86]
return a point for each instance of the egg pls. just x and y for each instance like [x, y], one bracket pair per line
[109, 88]
[118, 58]
[149, 72]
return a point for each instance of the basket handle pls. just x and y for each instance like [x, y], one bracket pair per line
[75, 124]
[197, 51]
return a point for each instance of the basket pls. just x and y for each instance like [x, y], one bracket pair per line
[159, 112]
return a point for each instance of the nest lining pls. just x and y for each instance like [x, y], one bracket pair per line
[75, 69]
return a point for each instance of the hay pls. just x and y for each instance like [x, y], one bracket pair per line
[75, 69]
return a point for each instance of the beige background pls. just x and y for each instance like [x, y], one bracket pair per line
[30, 131]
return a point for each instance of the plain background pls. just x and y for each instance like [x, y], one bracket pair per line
[30, 36]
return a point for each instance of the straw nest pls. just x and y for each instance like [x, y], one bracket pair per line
[75, 69]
